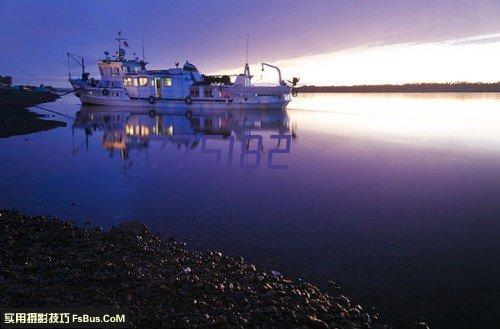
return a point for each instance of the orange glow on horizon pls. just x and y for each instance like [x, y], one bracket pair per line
[473, 59]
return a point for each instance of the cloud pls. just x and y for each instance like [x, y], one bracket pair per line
[467, 59]
[484, 38]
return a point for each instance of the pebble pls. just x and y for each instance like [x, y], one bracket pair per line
[354, 312]
[144, 274]
[343, 301]
[316, 323]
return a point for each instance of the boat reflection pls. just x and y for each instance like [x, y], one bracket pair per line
[123, 131]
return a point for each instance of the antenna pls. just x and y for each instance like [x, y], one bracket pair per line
[143, 55]
[248, 44]
[69, 65]
[246, 70]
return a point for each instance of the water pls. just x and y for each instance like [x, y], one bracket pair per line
[393, 196]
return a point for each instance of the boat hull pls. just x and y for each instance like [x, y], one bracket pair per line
[166, 104]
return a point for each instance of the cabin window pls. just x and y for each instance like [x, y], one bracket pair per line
[136, 82]
[208, 93]
[166, 81]
[143, 81]
[194, 92]
[127, 81]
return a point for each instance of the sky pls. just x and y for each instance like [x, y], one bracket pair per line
[340, 42]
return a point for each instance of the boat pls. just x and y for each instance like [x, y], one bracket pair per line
[128, 83]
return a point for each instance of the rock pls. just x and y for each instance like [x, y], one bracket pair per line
[134, 227]
[270, 294]
[316, 323]
[159, 281]
[354, 312]
[270, 310]
[343, 301]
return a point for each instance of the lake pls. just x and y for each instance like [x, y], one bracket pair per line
[395, 197]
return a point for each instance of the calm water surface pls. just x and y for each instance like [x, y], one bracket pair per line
[394, 196]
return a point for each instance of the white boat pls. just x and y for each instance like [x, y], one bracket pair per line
[127, 82]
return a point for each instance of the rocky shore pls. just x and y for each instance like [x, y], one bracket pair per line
[16, 119]
[49, 262]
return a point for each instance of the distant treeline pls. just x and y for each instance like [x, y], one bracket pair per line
[406, 88]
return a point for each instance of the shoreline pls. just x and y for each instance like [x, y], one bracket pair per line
[50, 262]
[460, 87]
[15, 117]
[398, 92]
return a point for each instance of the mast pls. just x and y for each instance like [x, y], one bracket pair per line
[248, 43]
[143, 55]
[246, 70]
[80, 62]
[121, 52]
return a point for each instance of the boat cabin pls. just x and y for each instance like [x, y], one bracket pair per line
[115, 70]
[172, 84]
[157, 83]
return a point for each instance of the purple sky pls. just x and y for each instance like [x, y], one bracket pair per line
[35, 35]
